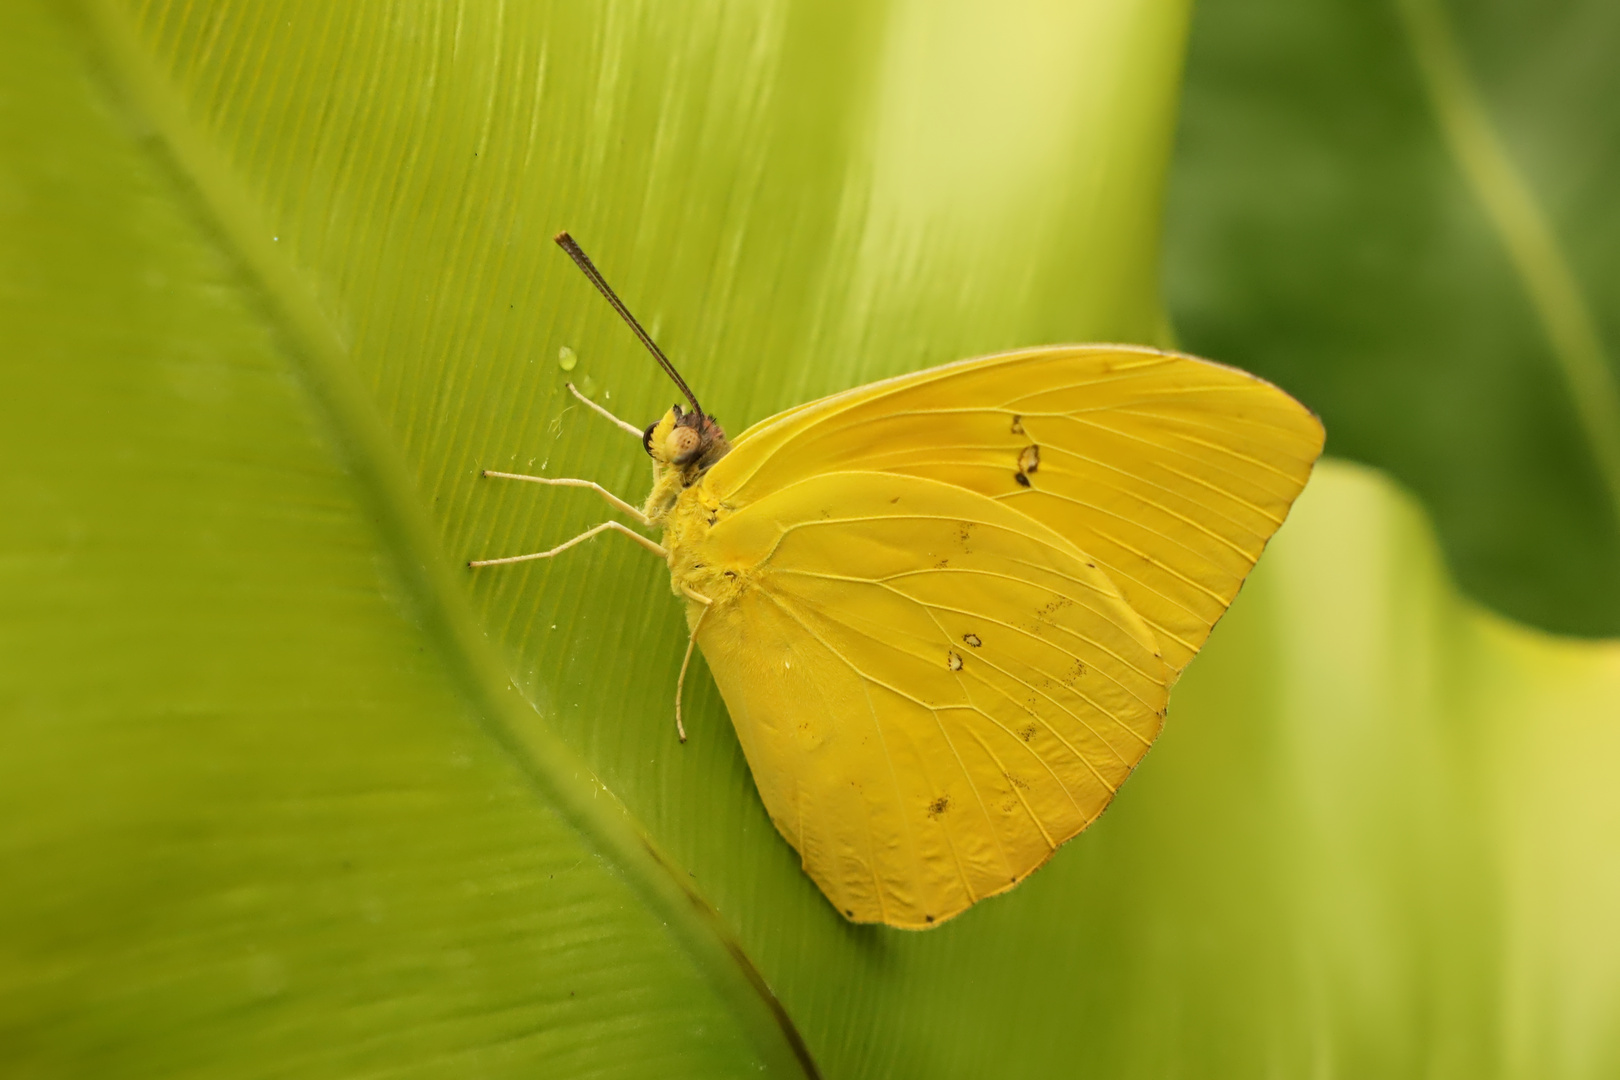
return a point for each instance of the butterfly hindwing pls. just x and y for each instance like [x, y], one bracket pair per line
[932, 689]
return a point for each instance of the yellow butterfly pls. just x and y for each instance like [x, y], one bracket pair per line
[945, 610]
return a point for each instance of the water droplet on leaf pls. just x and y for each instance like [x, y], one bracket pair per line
[566, 358]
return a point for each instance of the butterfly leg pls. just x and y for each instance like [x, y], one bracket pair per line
[631, 428]
[680, 682]
[656, 549]
[564, 481]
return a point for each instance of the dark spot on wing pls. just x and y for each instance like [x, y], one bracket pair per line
[1029, 459]
[953, 661]
[1074, 674]
[1027, 732]
[1015, 781]
[849, 913]
[1023, 481]
[1017, 425]
[930, 918]
[1052, 608]
[972, 639]
[939, 806]
[894, 500]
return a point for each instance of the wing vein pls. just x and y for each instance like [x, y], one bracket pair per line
[1205, 443]
[1144, 556]
[1082, 758]
[877, 726]
[1015, 678]
[1099, 646]
[967, 774]
[1019, 795]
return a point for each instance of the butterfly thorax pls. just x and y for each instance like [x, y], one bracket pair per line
[683, 446]
[696, 563]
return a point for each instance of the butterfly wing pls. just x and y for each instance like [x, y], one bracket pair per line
[1170, 472]
[933, 691]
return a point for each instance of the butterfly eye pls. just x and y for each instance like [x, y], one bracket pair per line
[681, 445]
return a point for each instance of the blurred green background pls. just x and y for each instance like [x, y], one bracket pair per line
[285, 791]
[1406, 213]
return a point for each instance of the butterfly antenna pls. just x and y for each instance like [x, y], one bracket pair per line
[583, 261]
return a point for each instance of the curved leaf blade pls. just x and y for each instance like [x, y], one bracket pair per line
[252, 815]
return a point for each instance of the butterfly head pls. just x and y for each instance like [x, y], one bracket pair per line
[687, 441]
[683, 444]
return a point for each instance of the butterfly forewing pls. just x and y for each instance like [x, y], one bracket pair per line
[933, 690]
[1170, 472]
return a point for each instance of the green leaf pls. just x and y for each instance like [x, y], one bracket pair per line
[257, 813]
[1405, 212]
[290, 791]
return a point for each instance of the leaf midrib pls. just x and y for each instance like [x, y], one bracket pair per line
[360, 439]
